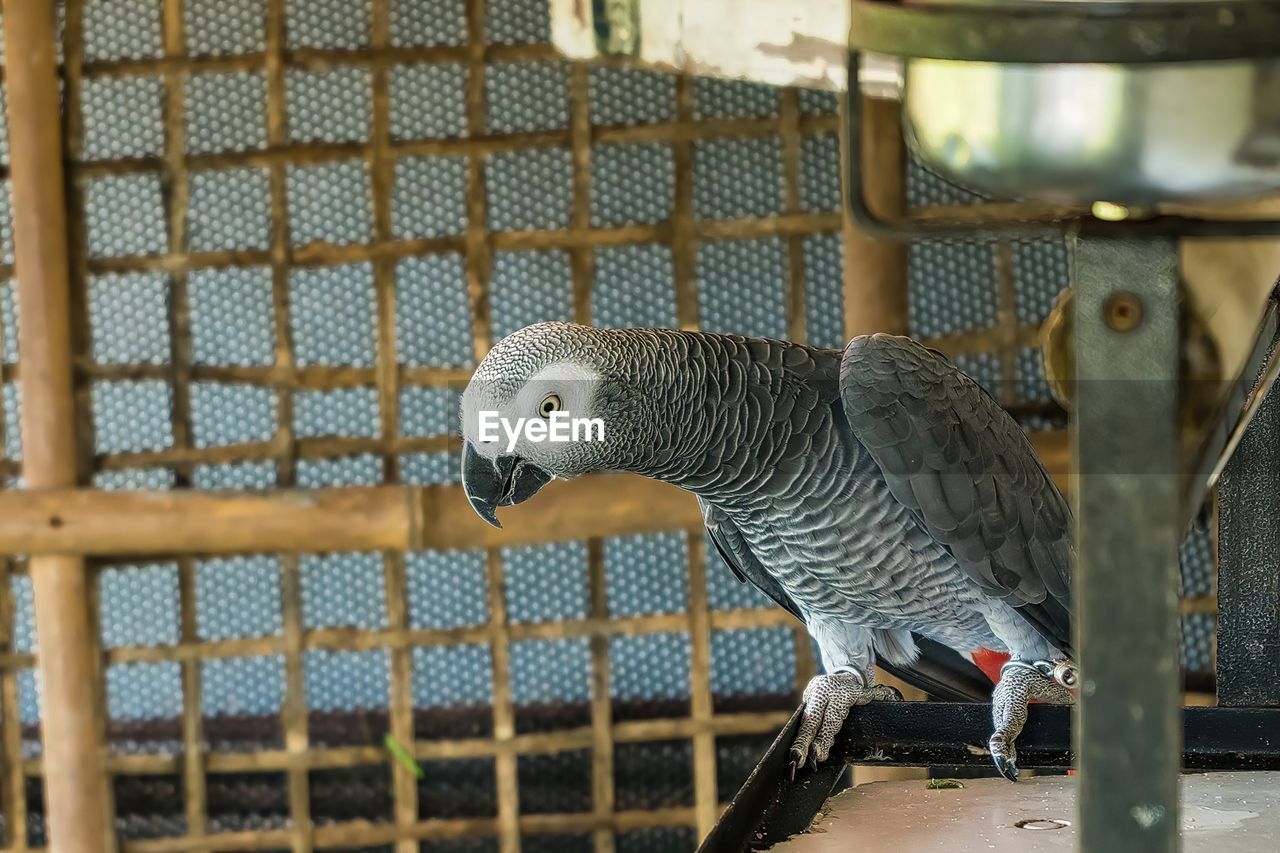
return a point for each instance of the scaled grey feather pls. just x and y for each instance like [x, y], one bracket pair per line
[952, 455]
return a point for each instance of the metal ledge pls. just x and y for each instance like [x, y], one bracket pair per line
[771, 806]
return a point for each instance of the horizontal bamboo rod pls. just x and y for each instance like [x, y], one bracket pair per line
[109, 523]
[449, 749]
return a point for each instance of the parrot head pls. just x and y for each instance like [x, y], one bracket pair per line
[537, 408]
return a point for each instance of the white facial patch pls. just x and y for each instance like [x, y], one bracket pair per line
[552, 406]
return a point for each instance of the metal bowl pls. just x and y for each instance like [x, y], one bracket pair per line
[1076, 134]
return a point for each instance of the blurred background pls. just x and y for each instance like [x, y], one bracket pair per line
[296, 226]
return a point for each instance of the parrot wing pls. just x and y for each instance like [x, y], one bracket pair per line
[965, 469]
[938, 670]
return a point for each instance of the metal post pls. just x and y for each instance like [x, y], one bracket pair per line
[1249, 565]
[1129, 517]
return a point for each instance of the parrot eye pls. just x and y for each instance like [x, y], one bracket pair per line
[551, 403]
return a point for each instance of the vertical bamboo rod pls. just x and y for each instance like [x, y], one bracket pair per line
[175, 189]
[381, 165]
[479, 252]
[194, 782]
[705, 796]
[602, 764]
[504, 717]
[382, 176]
[13, 801]
[684, 240]
[875, 271]
[404, 782]
[281, 251]
[176, 192]
[792, 155]
[13, 780]
[582, 258]
[293, 714]
[74, 750]
[1007, 349]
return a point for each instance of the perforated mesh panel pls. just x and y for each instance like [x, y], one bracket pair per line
[428, 22]
[226, 112]
[238, 597]
[742, 287]
[530, 189]
[546, 583]
[343, 590]
[631, 183]
[122, 117]
[430, 197]
[634, 286]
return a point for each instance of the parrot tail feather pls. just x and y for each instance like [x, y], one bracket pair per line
[989, 662]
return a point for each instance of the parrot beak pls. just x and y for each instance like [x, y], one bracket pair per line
[505, 480]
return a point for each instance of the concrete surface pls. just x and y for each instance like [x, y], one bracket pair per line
[1221, 813]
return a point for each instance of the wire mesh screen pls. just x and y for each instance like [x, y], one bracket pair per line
[297, 225]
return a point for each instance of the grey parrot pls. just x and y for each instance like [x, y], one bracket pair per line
[875, 492]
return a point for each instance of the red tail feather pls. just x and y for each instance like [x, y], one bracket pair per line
[990, 662]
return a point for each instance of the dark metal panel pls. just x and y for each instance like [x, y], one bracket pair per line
[1129, 525]
[1249, 566]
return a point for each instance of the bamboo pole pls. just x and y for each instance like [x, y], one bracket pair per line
[76, 794]
[90, 521]
[875, 271]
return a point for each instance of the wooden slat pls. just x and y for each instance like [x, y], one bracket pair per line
[106, 523]
[61, 521]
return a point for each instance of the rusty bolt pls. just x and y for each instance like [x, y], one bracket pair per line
[1122, 312]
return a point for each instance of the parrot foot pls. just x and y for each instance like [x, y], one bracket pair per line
[827, 701]
[1020, 683]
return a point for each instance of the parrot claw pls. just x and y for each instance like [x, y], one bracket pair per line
[1007, 766]
[1020, 683]
[1005, 756]
[827, 702]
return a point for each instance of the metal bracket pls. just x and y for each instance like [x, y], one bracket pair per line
[992, 221]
